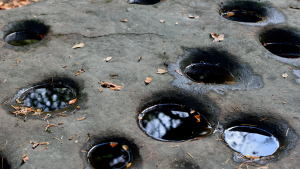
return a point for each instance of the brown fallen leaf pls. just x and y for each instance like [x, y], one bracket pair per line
[108, 58]
[80, 45]
[148, 80]
[81, 118]
[124, 20]
[64, 66]
[178, 72]
[285, 75]
[72, 101]
[162, 71]
[193, 111]
[25, 159]
[71, 137]
[228, 15]
[217, 37]
[79, 72]
[17, 60]
[110, 86]
[140, 58]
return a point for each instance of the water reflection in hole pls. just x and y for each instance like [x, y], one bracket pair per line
[23, 38]
[285, 50]
[111, 155]
[144, 2]
[172, 122]
[251, 141]
[207, 73]
[48, 97]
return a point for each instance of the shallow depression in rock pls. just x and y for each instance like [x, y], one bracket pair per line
[283, 43]
[208, 73]
[112, 155]
[251, 141]
[173, 122]
[243, 11]
[48, 97]
[143, 2]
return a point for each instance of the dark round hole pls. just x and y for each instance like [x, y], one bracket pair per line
[243, 11]
[112, 155]
[25, 33]
[48, 97]
[174, 122]
[251, 142]
[208, 73]
[283, 43]
[143, 2]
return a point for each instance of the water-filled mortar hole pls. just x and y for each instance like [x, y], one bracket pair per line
[111, 152]
[47, 99]
[175, 118]
[4, 164]
[261, 139]
[25, 34]
[144, 2]
[244, 11]
[281, 42]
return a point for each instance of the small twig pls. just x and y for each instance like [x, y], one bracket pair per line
[89, 137]
[123, 121]
[149, 155]
[190, 155]
[287, 131]
[235, 109]
[72, 111]
[56, 139]
[4, 146]
[175, 146]
[221, 90]
[227, 160]
[21, 145]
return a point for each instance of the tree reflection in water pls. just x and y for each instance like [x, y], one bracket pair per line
[251, 141]
[48, 98]
[171, 122]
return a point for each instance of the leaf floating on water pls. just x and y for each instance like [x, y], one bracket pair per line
[148, 80]
[193, 111]
[80, 45]
[79, 72]
[81, 118]
[285, 75]
[72, 101]
[197, 117]
[128, 165]
[110, 86]
[125, 147]
[113, 144]
[217, 37]
[162, 71]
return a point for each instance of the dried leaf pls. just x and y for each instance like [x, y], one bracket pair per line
[197, 117]
[162, 21]
[125, 147]
[81, 118]
[78, 107]
[128, 165]
[193, 111]
[80, 45]
[72, 101]
[108, 58]
[191, 16]
[162, 70]
[111, 86]
[140, 58]
[25, 159]
[176, 23]
[285, 75]
[148, 80]
[76, 141]
[113, 144]
[178, 72]
[71, 137]
[124, 20]
[217, 37]
[79, 72]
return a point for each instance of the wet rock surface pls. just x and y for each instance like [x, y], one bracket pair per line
[98, 25]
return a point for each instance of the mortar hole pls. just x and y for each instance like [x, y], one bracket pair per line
[173, 122]
[112, 155]
[23, 38]
[207, 73]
